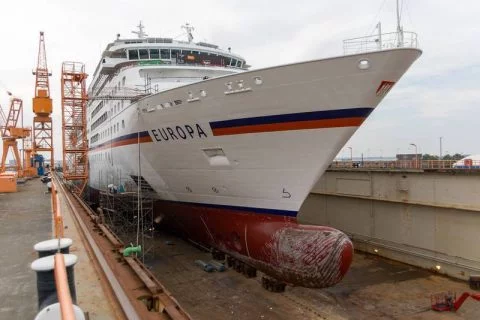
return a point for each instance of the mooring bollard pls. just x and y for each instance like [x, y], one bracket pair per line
[53, 311]
[44, 267]
[50, 247]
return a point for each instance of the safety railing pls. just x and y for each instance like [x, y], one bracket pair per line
[405, 39]
[466, 164]
[63, 290]
[57, 216]
[60, 271]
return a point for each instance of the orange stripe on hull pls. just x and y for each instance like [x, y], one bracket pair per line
[124, 143]
[287, 126]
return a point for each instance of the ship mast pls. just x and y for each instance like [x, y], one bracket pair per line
[399, 28]
[188, 28]
[140, 33]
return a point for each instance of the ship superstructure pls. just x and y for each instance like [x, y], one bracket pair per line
[230, 153]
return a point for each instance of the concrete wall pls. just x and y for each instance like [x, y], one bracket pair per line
[428, 219]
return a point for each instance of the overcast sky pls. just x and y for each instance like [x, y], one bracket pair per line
[437, 97]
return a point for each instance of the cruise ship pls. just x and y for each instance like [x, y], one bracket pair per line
[231, 152]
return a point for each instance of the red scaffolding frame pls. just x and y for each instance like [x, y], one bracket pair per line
[74, 124]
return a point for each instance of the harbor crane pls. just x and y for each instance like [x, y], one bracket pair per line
[11, 132]
[42, 105]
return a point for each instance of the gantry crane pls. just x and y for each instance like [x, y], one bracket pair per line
[74, 123]
[11, 132]
[42, 106]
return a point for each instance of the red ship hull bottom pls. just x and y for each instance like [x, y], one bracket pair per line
[301, 255]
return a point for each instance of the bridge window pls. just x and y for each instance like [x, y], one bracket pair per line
[143, 53]
[133, 54]
[154, 54]
[165, 53]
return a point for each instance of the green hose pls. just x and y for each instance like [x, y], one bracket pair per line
[129, 250]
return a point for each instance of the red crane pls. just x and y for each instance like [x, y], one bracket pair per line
[42, 105]
[11, 132]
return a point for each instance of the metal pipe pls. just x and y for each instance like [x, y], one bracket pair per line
[63, 291]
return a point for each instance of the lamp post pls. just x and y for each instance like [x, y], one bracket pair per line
[416, 154]
[440, 148]
[351, 153]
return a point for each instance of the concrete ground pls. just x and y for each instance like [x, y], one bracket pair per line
[25, 219]
[374, 288]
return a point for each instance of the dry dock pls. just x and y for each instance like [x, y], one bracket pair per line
[374, 288]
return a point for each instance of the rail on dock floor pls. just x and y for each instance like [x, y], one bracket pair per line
[137, 291]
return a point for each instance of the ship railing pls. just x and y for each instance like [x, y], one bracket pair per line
[378, 42]
[466, 164]
[117, 93]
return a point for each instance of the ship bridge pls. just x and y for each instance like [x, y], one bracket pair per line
[151, 51]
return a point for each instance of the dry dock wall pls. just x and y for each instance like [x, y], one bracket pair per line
[427, 219]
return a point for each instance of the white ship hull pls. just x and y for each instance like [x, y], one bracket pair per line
[270, 163]
[232, 158]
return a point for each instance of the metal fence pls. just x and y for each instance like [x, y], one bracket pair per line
[379, 42]
[466, 164]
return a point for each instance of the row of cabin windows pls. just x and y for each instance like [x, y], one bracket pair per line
[101, 156]
[97, 109]
[184, 57]
[107, 132]
[114, 110]
[99, 121]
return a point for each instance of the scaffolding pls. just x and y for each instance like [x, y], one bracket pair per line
[74, 123]
[130, 216]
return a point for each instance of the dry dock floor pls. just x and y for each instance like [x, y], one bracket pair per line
[374, 288]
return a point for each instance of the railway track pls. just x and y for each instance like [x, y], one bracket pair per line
[132, 289]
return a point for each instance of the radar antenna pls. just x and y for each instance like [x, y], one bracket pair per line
[140, 32]
[189, 30]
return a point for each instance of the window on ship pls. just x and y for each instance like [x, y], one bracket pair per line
[143, 54]
[176, 55]
[154, 54]
[165, 53]
[133, 54]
